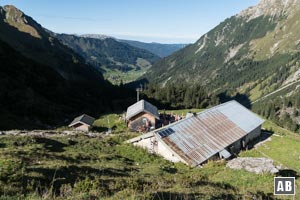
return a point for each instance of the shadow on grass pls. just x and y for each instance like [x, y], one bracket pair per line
[225, 186]
[72, 142]
[288, 173]
[265, 134]
[259, 195]
[81, 158]
[124, 160]
[28, 159]
[2, 145]
[51, 145]
[230, 194]
[99, 129]
[170, 169]
[66, 158]
[193, 196]
[55, 178]
[176, 196]
[70, 159]
[222, 195]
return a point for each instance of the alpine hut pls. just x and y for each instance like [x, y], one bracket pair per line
[82, 123]
[142, 116]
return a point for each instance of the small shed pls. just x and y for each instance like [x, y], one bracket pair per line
[215, 133]
[82, 123]
[142, 116]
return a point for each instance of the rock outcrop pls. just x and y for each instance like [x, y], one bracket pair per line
[256, 165]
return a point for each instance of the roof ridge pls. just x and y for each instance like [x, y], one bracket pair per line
[81, 116]
[143, 104]
[170, 125]
[204, 111]
[217, 106]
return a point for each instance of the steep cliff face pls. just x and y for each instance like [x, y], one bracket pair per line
[269, 8]
[19, 20]
[284, 38]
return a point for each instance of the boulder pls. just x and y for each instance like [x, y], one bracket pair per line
[256, 165]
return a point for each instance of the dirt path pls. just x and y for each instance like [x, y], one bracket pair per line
[278, 90]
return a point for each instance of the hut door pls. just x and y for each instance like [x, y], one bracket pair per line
[243, 143]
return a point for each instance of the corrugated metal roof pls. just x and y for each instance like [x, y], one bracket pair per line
[240, 115]
[86, 119]
[198, 138]
[141, 106]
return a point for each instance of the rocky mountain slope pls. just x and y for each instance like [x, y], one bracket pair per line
[253, 52]
[117, 60]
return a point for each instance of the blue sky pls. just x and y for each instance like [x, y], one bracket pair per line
[164, 21]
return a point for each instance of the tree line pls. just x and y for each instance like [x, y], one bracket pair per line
[179, 96]
[284, 111]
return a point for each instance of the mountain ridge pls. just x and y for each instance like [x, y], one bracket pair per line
[238, 38]
[38, 44]
[95, 36]
[159, 49]
[45, 84]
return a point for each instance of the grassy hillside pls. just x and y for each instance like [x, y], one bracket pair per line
[215, 56]
[283, 147]
[78, 167]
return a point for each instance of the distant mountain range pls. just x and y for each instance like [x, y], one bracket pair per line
[161, 50]
[96, 36]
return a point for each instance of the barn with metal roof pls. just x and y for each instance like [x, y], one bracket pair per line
[217, 132]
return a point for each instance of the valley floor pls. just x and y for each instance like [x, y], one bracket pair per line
[103, 167]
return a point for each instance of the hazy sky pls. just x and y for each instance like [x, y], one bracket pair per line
[164, 21]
